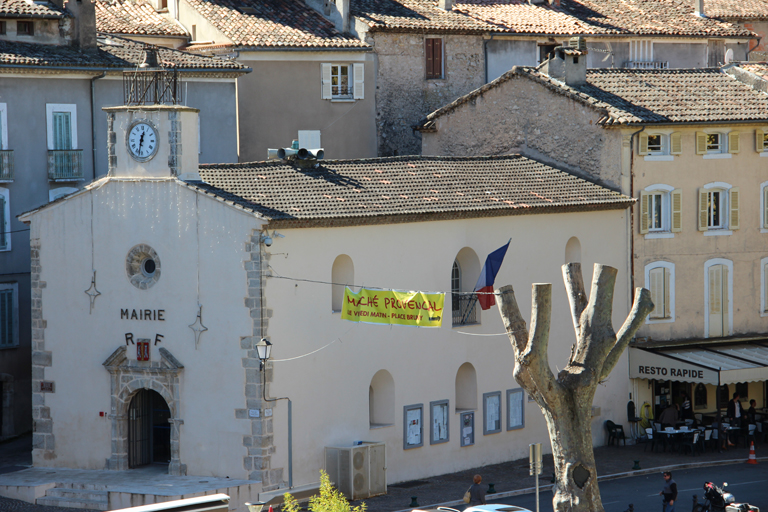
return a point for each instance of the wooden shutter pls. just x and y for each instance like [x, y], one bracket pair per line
[676, 198]
[642, 142]
[644, 212]
[734, 142]
[765, 288]
[765, 207]
[733, 204]
[703, 214]
[62, 130]
[667, 294]
[3, 235]
[437, 66]
[429, 50]
[359, 77]
[326, 82]
[701, 143]
[676, 143]
[715, 300]
[656, 278]
[759, 141]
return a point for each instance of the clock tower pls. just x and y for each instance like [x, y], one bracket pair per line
[151, 136]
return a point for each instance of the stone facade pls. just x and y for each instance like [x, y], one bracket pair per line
[521, 116]
[260, 445]
[43, 440]
[404, 96]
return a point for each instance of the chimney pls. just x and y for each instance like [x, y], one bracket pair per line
[84, 26]
[569, 64]
[445, 5]
[698, 8]
[343, 7]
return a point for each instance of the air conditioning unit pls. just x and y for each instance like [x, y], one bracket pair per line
[359, 471]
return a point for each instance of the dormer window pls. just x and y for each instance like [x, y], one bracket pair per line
[25, 28]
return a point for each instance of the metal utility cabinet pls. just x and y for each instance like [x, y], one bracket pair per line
[359, 471]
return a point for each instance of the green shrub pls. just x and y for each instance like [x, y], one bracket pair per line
[329, 500]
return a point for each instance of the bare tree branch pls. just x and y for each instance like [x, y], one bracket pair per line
[577, 295]
[536, 353]
[597, 323]
[640, 309]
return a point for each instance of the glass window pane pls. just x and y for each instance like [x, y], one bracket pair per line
[713, 142]
[714, 209]
[656, 203]
[654, 143]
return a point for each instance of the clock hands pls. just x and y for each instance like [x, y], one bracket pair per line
[141, 142]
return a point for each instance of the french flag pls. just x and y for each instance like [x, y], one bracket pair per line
[488, 276]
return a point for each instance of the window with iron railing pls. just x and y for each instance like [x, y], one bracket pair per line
[464, 305]
[65, 164]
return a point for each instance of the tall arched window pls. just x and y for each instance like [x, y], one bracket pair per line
[381, 400]
[718, 298]
[342, 275]
[573, 250]
[466, 388]
[464, 274]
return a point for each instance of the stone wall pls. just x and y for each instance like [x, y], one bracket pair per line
[43, 444]
[404, 95]
[522, 116]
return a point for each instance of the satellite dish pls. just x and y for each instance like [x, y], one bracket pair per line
[729, 56]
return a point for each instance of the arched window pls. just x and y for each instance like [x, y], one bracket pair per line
[700, 397]
[381, 400]
[718, 208]
[466, 388]
[342, 275]
[464, 274]
[573, 250]
[718, 297]
[660, 280]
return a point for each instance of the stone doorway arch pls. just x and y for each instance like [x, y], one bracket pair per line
[128, 377]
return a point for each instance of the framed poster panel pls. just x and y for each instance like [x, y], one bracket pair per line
[438, 421]
[491, 413]
[413, 426]
[515, 409]
[467, 424]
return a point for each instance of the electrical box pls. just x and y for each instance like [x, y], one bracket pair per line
[359, 471]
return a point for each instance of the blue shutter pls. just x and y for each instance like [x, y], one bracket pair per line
[62, 130]
[6, 317]
[3, 234]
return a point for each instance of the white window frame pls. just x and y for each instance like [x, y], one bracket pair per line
[763, 288]
[15, 292]
[723, 152]
[56, 193]
[6, 193]
[50, 108]
[763, 215]
[356, 74]
[725, 208]
[3, 126]
[641, 50]
[707, 265]
[666, 211]
[671, 268]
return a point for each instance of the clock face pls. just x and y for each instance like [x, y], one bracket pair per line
[142, 141]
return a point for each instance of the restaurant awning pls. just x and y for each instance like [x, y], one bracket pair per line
[709, 364]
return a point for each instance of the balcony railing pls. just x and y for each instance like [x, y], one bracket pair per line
[6, 165]
[65, 164]
[636, 64]
[464, 309]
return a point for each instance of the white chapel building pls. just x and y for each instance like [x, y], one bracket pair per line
[152, 285]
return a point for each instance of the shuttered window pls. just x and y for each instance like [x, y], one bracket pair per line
[661, 210]
[62, 130]
[660, 292]
[434, 56]
[765, 286]
[5, 221]
[719, 305]
[761, 140]
[765, 207]
[342, 81]
[8, 315]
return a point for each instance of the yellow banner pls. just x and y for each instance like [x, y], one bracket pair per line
[390, 307]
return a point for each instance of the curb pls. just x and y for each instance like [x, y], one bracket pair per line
[615, 476]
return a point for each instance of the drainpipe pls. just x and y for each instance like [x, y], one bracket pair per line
[93, 119]
[485, 56]
[750, 50]
[632, 216]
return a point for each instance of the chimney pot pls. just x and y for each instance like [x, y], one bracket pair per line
[698, 9]
[445, 5]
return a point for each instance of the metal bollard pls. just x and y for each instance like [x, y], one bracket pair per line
[491, 489]
[414, 503]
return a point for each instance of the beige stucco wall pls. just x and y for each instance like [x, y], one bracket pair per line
[690, 249]
[203, 30]
[329, 388]
[404, 95]
[283, 95]
[202, 260]
[521, 116]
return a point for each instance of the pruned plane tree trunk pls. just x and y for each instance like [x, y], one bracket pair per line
[566, 400]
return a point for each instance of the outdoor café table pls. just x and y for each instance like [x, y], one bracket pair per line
[674, 436]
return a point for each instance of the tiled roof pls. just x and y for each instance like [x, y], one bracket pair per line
[273, 24]
[632, 96]
[24, 9]
[737, 9]
[133, 18]
[756, 68]
[402, 189]
[112, 52]
[572, 17]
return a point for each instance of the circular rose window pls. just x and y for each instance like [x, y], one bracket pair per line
[142, 266]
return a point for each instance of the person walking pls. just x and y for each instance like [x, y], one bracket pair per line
[669, 492]
[476, 492]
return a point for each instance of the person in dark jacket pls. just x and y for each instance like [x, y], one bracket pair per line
[735, 412]
[477, 492]
[669, 492]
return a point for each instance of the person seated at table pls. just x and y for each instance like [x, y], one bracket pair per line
[669, 418]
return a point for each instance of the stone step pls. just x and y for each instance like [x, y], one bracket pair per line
[75, 498]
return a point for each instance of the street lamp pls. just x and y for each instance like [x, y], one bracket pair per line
[263, 349]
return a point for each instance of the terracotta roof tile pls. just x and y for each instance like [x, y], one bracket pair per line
[273, 24]
[756, 68]
[572, 17]
[631, 96]
[112, 52]
[411, 188]
[133, 18]
[24, 9]
[737, 9]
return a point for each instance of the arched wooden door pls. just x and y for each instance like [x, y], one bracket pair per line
[149, 432]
